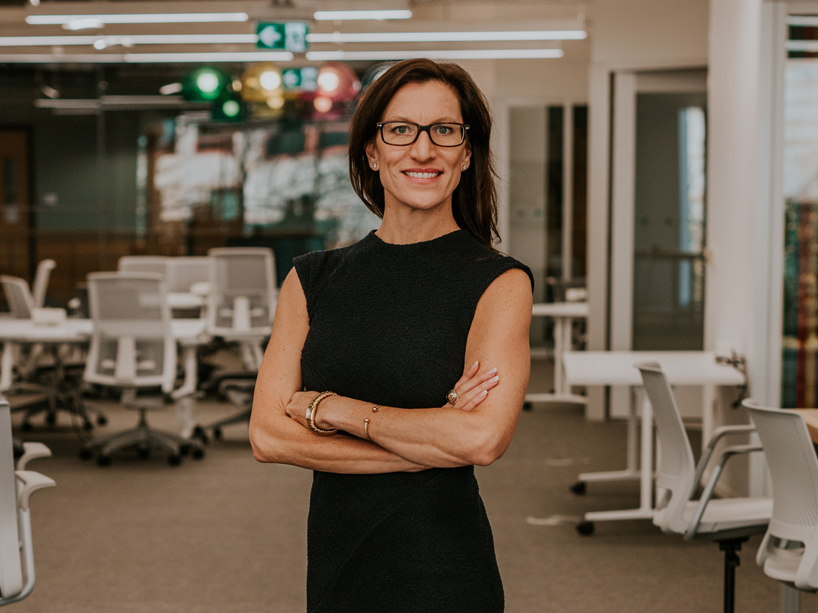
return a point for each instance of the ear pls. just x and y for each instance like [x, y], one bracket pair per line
[371, 152]
[466, 154]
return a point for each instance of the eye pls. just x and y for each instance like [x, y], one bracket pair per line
[400, 129]
[443, 130]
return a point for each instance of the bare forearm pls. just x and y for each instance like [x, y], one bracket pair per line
[283, 441]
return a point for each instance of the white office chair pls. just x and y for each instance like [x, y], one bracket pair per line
[143, 263]
[133, 350]
[241, 308]
[184, 273]
[61, 390]
[789, 551]
[41, 278]
[728, 521]
[17, 576]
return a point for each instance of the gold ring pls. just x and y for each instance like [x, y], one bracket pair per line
[452, 396]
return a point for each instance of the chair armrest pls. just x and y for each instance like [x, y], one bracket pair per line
[728, 453]
[32, 451]
[717, 435]
[29, 482]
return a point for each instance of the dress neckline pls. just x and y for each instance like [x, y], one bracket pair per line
[431, 242]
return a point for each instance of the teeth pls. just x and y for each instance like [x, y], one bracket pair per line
[422, 175]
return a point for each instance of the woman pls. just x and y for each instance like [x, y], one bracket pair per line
[420, 333]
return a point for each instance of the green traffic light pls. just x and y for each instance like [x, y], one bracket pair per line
[231, 108]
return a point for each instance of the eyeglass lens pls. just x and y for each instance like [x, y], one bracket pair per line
[406, 133]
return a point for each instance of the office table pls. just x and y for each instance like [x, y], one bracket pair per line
[811, 419]
[563, 313]
[189, 333]
[698, 368]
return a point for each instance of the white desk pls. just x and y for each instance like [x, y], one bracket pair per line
[697, 368]
[563, 313]
[189, 333]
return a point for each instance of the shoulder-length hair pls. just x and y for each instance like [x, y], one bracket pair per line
[474, 201]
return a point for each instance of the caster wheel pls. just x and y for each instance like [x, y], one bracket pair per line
[86, 454]
[199, 433]
[102, 420]
[578, 488]
[87, 426]
[585, 528]
[184, 450]
[104, 460]
[143, 452]
[527, 406]
[51, 419]
[174, 459]
[217, 433]
[197, 453]
[26, 427]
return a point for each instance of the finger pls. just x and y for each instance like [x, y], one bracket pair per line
[470, 372]
[478, 393]
[475, 381]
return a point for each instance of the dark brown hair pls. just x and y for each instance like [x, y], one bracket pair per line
[474, 201]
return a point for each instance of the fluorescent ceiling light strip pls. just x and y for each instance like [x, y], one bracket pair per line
[238, 56]
[420, 37]
[802, 20]
[353, 15]
[145, 58]
[137, 39]
[802, 45]
[139, 18]
[464, 54]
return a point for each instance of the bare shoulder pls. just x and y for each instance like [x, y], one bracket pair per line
[509, 291]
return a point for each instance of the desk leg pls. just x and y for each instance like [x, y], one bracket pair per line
[708, 420]
[790, 599]
[6, 366]
[645, 474]
[559, 349]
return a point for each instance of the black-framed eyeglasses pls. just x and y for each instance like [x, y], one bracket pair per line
[403, 133]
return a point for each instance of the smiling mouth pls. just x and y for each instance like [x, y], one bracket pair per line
[422, 175]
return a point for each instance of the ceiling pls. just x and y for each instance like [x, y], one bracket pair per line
[120, 43]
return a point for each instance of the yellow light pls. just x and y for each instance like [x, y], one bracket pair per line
[275, 102]
[270, 80]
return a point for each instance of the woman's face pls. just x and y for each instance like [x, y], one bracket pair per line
[421, 175]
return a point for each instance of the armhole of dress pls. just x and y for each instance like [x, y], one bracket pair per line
[500, 268]
[302, 266]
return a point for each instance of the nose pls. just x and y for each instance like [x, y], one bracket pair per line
[423, 148]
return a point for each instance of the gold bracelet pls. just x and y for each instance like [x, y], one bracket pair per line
[312, 408]
[366, 428]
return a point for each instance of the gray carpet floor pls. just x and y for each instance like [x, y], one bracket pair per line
[226, 534]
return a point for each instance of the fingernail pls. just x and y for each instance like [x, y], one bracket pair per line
[492, 371]
[493, 379]
[483, 393]
[475, 364]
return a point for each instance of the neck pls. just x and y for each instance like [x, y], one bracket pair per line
[404, 227]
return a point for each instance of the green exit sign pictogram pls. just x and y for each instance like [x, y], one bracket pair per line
[289, 36]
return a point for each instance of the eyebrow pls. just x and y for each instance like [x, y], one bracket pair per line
[443, 120]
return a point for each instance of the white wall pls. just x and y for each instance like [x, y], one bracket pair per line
[627, 35]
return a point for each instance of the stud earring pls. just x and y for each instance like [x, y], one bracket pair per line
[464, 167]
[374, 165]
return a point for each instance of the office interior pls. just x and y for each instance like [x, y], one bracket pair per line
[660, 160]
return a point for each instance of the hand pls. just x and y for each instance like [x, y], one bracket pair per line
[297, 407]
[472, 388]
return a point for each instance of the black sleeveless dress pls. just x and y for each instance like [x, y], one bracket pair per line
[388, 325]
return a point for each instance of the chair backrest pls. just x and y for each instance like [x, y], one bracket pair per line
[793, 467]
[18, 296]
[143, 263]
[184, 271]
[676, 468]
[41, 278]
[243, 291]
[11, 572]
[132, 344]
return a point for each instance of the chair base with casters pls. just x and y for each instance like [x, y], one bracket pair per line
[143, 439]
[240, 393]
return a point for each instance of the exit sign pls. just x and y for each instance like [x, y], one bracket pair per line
[290, 36]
